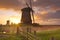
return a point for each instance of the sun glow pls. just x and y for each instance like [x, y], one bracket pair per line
[15, 20]
[10, 14]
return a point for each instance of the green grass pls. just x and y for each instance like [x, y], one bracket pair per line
[47, 35]
[44, 35]
[11, 37]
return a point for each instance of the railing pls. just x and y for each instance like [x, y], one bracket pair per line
[29, 36]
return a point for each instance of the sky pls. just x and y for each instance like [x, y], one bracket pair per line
[46, 12]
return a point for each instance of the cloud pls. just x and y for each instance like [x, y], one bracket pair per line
[51, 18]
[53, 15]
[9, 3]
[21, 3]
[47, 2]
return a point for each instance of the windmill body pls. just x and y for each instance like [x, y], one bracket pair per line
[26, 15]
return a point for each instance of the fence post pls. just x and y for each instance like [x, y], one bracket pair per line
[52, 38]
[27, 32]
[35, 33]
[17, 30]
[30, 29]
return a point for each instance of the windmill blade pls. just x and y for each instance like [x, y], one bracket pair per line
[33, 17]
[30, 4]
[32, 11]
[27, 4]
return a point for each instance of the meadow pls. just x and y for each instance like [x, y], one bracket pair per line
[49, 35]
[43, 33]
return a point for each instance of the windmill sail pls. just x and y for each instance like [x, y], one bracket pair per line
[32, 11]
[27, 4]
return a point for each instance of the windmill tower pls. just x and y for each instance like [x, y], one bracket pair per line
[27, 12]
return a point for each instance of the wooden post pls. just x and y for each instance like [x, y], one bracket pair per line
[35, 33]
[27, 32]
[17, 30]
[30, 29]
[52, 38]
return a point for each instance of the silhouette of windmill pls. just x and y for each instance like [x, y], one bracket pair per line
[27, 12]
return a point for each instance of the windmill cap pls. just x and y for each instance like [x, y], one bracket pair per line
[27, 9]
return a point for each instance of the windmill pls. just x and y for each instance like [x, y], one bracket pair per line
[27, 12]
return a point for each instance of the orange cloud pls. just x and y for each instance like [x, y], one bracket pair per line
[43, 12]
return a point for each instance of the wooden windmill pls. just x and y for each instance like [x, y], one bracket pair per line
[27, 12]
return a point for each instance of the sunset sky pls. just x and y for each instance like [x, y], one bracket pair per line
[46, 12]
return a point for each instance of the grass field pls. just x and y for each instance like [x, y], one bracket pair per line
[11, 37]
[43, 35]
[47, 35]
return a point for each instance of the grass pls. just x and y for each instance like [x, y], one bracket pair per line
[11, 37]
[44, 35]
[47, 35]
